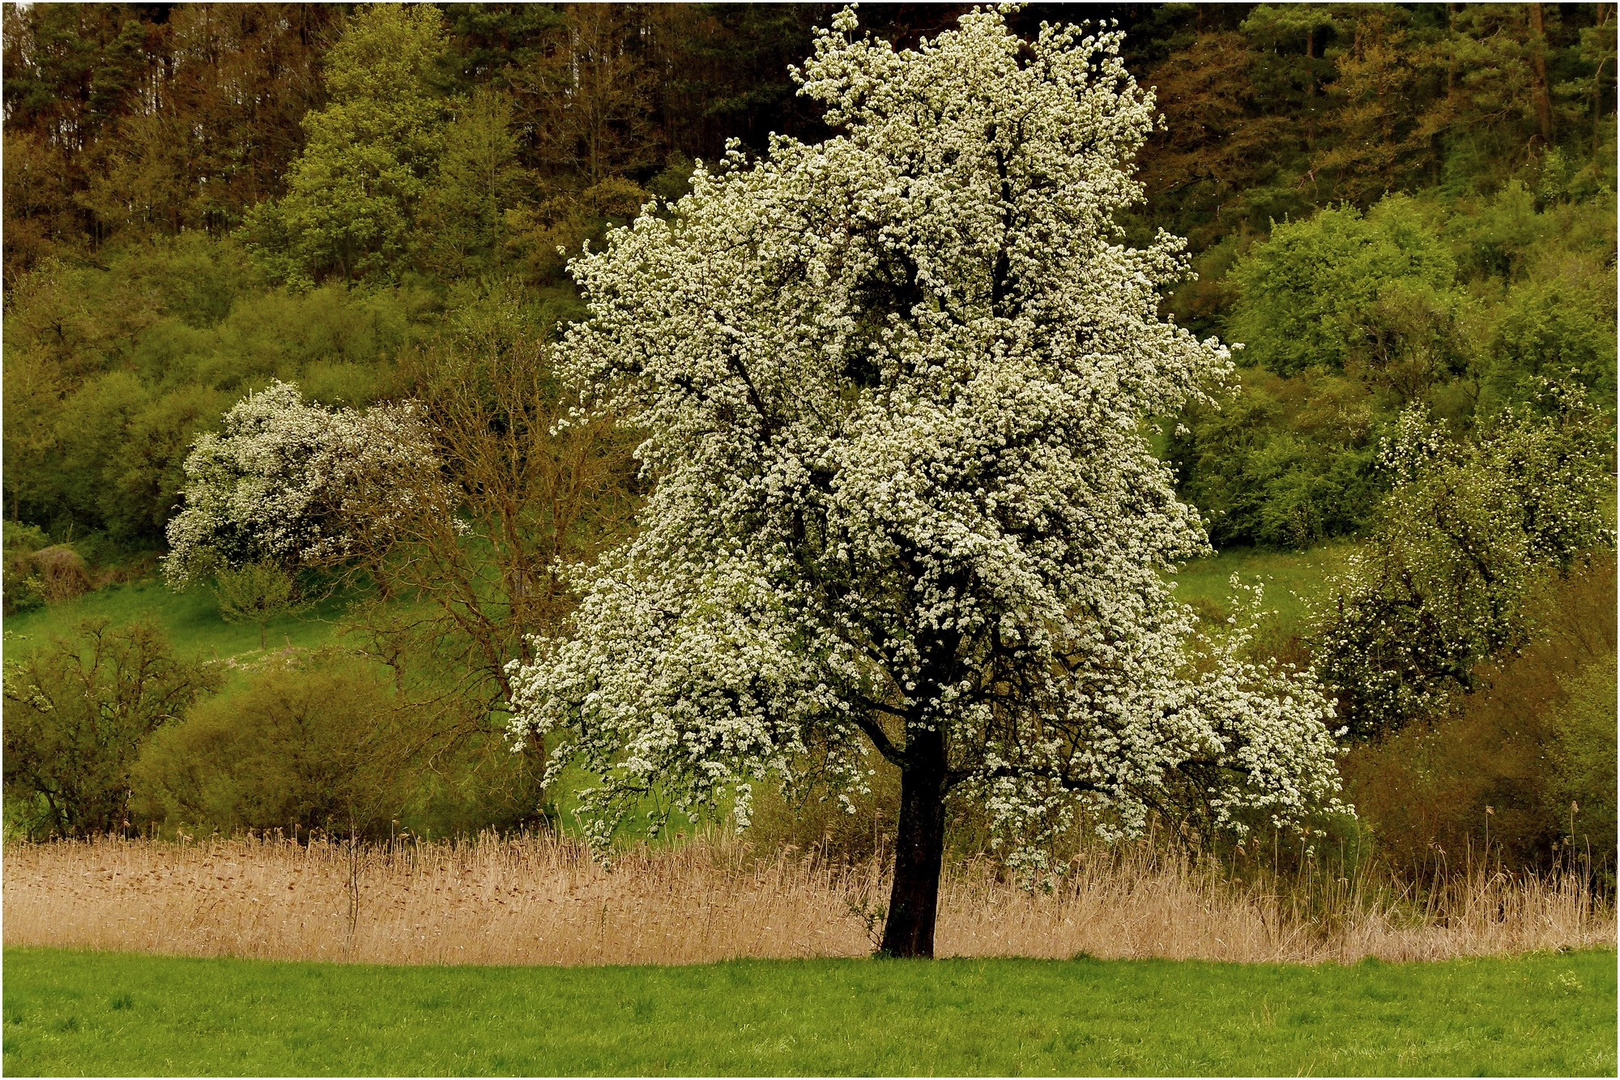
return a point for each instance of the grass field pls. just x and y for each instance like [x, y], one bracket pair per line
[191, 619]
[1292, 579]
[116, 1014]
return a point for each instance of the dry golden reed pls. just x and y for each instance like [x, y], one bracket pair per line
[540, 900]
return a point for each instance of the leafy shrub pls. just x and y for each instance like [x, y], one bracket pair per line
[1282, 462]
[257, 592]
[327, 743]
[1558, 324]
[1342, 286]
[477, 784]
[321, 746]
[21, 588]
[1583, 758]
[77, 713]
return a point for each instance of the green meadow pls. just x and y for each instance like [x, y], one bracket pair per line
[190, 619]
[72, 1013]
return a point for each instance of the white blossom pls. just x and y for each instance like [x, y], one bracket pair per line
[278, 481]
[895, 387]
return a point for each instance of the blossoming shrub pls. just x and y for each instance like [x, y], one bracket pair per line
[273, 486]
[1468, 531]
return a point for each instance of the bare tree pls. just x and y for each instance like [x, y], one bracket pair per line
[470, 556]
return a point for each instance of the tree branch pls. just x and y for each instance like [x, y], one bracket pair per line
[880, 739]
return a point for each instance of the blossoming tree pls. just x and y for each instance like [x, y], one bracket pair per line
[275, 484]
[894, 387]
[1466, 533]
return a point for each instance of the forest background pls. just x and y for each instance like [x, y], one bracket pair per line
[1390, 206]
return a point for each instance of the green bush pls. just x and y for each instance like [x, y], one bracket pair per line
[1283, 462]
[256, 592]
[1583, 759]
[478, 784]
[324, 745]
[328, 743]
[1558, 324]
[21, 587]
[77, 713]
[1344, 286]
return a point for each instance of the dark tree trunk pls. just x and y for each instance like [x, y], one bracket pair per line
[1538, 72]
[919, 849]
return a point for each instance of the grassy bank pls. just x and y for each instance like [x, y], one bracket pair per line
[191, 620]
[193, 624]
[102, 1013]
[1293, 580]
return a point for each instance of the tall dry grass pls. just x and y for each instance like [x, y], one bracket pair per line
[540, 900]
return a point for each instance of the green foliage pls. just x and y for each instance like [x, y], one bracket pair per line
[1468, 306]
[1343, 287]
[1584, 762]
[82, 1012]
[479, 185]
[474, 783]
[1463, 538]
[328, 742]
[549, 233]
[1559, 324]
[22, 588]
[370, 155]
[76, 715]
[110, 374]
[256, 592]
[323, 746]
[1282, 462]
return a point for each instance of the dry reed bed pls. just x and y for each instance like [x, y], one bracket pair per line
[544, 901]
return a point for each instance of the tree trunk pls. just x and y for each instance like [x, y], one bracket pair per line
[1538, 72]
[919, 849]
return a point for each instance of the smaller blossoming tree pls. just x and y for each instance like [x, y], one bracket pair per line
[1466, 532]
[463, 499]
[894, 387]
[275, 485]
